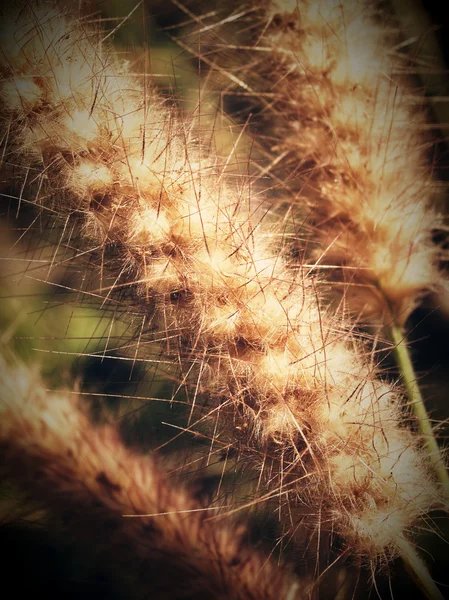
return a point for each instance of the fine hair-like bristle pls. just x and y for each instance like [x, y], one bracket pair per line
[345, 123]
[198, 255]
[124, 504]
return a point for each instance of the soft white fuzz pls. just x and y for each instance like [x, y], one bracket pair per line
[197, 253]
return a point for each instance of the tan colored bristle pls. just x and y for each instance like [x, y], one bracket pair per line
[199, 257]
[374, 206]
[346, 126]
[124, 505]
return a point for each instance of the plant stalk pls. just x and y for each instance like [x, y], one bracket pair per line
[408, 374]
[418, 570]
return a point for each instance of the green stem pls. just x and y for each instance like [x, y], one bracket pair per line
[417, 403]
[418, 570]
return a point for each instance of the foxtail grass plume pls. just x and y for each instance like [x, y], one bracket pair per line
[122, 504]
[345, 120]
[287, 380]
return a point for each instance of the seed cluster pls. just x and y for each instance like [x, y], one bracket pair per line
[351, 129]
[122, 501]
[198, 254]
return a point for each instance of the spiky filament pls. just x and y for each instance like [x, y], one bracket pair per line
[198, 254]
[351, 130]
[75, 468]
[346, 129]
